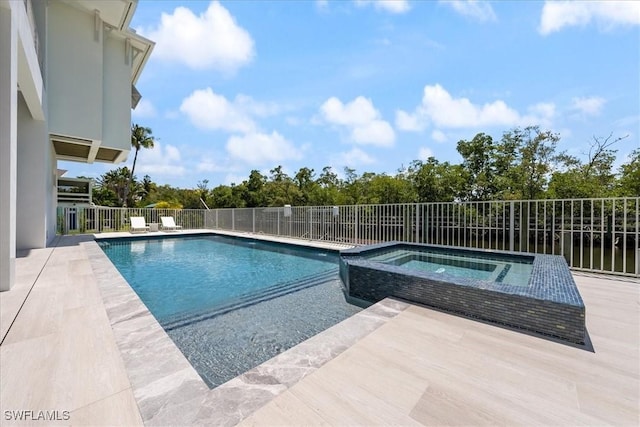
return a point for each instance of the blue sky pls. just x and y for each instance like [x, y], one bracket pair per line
[373, 85]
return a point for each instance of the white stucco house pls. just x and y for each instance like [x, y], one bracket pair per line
[67, 75]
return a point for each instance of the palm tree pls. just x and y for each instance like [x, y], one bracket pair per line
[141, 137]
[115, 182]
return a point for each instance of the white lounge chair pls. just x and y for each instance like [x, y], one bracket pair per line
[169, 224]
[138, 224]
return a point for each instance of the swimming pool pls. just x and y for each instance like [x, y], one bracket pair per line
[230, 304]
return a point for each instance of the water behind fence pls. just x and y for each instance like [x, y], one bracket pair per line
[600, 235]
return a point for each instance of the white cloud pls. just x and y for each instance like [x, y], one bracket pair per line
[409, 122]
[376, 132]
[257, 148]
[256, 108]
[352, 158]
[442, 110]
[588, 106]
[160, 160]
[541, 114]
[543, 109]
[438, 136]
[208, 110]
[208, 165]
[362, 120]
[606, 14]
[424, 153]
[144, 110]
[477, 10]
[392, 6]
[212, 40]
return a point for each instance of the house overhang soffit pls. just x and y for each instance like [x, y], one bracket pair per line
[85, 150]
[116, 15]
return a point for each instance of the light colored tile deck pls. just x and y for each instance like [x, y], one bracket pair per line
[418, 366]
[429, 367]
[29, 264]
[60, 353]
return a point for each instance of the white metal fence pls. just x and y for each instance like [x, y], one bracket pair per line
[78, 220]
[600, 235]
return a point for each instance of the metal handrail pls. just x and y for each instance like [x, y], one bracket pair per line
[597, 235]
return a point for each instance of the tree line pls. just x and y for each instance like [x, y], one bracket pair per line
[523, 164]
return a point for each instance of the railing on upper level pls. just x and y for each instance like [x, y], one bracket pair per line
[599, 235]
[74, 191]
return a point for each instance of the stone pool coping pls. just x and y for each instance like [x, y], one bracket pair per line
[169, 391]
[550, 304]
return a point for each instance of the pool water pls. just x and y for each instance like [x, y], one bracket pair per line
[231, 304]
[225, 346]
[177, 276]
[512, 272]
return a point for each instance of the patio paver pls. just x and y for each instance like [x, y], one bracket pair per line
[418, 367]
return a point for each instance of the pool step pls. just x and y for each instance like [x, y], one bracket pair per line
[247, 300]
[390, 257]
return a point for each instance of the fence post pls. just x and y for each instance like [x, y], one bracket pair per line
[233, 220]
[524, 225]
[566, 245]
[357, 225]
[512, 226]
[425, 224]
[65, 223]
[417, 223]
[253, 225]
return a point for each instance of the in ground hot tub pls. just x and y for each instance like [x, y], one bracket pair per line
[528, 291]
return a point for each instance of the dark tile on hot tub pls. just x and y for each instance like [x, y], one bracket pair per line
[550, 304]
